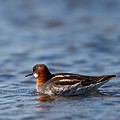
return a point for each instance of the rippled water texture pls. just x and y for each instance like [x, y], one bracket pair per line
[78, 36]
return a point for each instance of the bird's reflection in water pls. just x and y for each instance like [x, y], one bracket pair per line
[46, 98]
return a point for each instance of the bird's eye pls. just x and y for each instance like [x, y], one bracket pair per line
[34, 69]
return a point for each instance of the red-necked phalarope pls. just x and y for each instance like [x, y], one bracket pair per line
[65, 84]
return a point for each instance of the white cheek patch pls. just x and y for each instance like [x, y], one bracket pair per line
[35, 75]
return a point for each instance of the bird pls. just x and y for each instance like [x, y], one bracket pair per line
[65, 84]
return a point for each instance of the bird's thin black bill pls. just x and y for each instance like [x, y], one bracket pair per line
[29, 74]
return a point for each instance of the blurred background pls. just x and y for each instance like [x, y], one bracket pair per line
[77, 36]
[59, 31]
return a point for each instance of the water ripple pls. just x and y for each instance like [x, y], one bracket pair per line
[68, 36]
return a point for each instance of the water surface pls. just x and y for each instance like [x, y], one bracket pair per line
[68, 36]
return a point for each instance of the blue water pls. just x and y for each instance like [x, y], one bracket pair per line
[78, 36]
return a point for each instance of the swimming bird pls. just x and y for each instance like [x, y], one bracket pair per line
[65, 84]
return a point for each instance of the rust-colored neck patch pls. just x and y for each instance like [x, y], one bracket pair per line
[40, 82]
[42, 78]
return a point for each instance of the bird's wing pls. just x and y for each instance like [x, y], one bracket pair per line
[68, 84]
